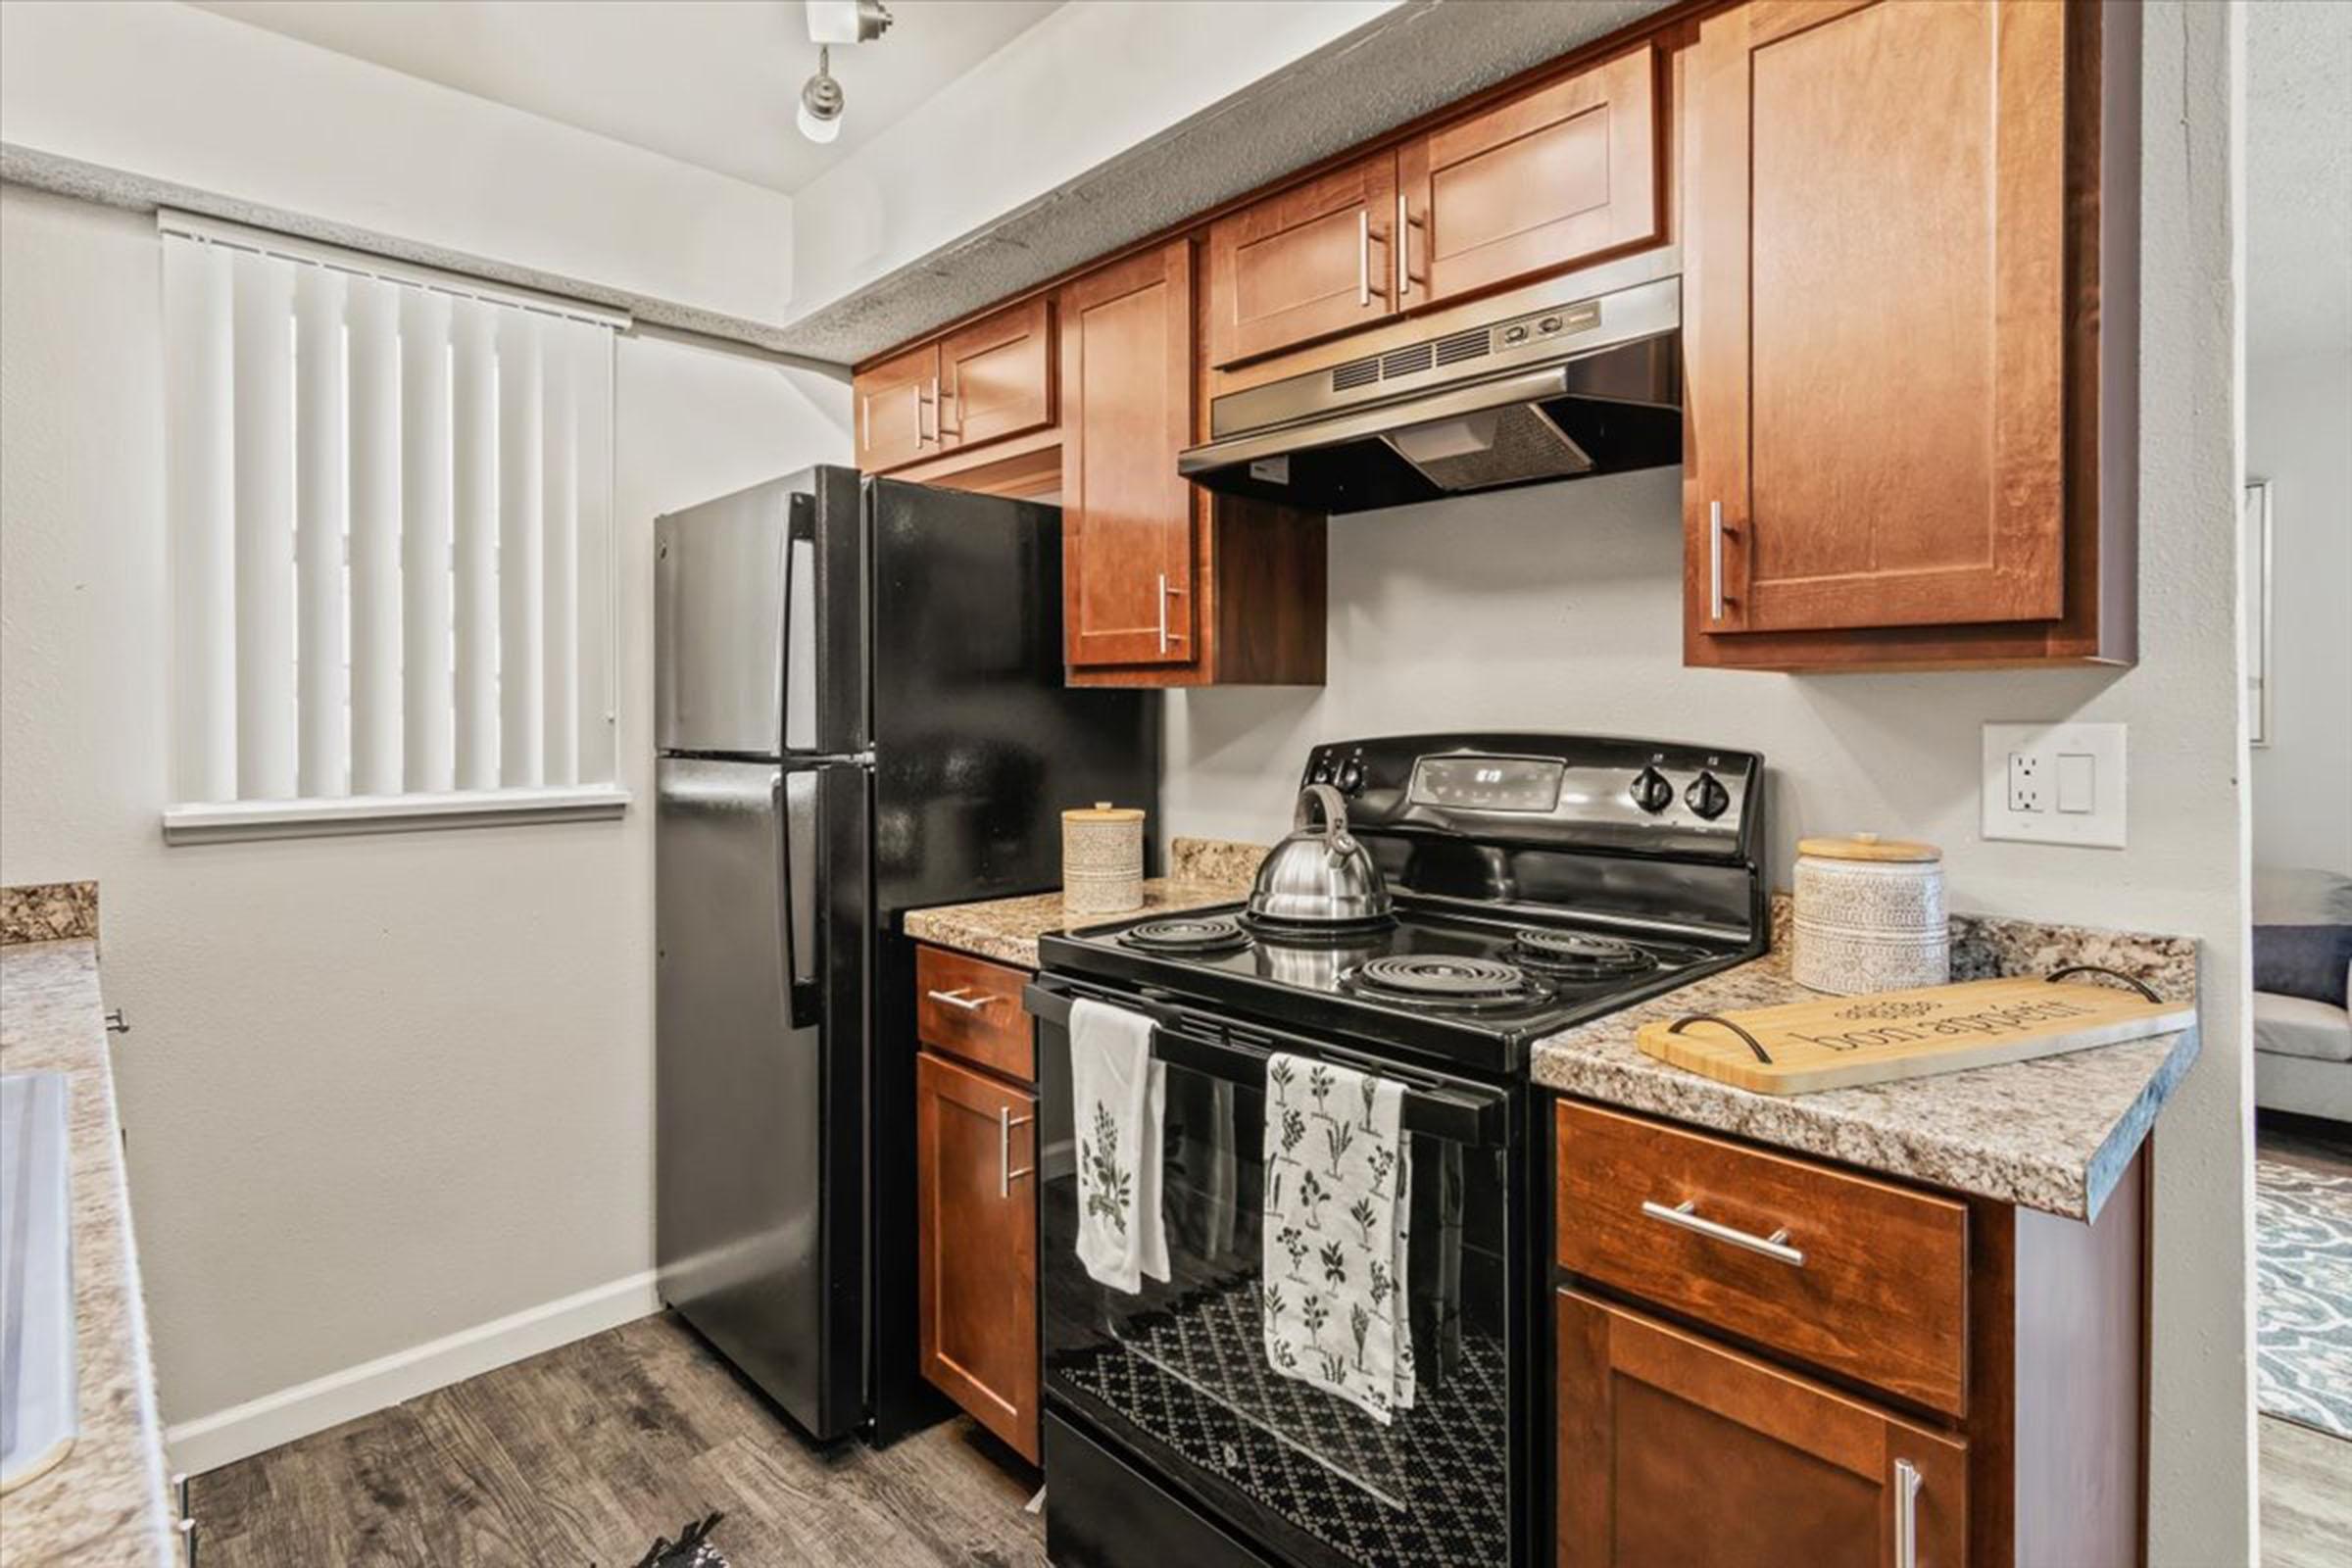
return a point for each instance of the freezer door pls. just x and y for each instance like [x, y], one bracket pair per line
[761, 1026]
[735, 624]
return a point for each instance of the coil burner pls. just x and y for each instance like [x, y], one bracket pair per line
[1474, 985]
[1579, 956]
[1187, 936]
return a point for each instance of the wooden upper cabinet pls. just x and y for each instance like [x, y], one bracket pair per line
[1309, 262]
[1876, 315]
[1128, 556]
[1673, 1450]
[976, 1213]
[995, 376]
[1537, 184]
[897, 410]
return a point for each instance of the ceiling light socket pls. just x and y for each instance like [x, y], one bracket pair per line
[821, 102]
[847, 20]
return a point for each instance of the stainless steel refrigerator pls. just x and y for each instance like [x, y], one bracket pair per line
[859, 711]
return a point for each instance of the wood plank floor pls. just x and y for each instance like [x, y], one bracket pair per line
[587, 1454]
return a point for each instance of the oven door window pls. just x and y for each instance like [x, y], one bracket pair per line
[1180, 1373]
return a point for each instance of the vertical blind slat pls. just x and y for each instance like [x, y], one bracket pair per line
[428, 761]
[199, 316]
[264, 447]
[373, 311]
[473, 422]
[559, 703]
[522, 738]
[591, 408]
[322, 495]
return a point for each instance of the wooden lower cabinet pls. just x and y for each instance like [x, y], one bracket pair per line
[1722, 1405]
[976, 1157]
[1674, 1451]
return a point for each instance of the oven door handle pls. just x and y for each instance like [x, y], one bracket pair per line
[1457, 1116]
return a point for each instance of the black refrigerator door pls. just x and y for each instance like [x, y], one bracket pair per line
[761, 1001]
[760, 622]
[979, 745]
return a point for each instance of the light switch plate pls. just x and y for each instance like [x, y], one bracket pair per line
[2054, 784]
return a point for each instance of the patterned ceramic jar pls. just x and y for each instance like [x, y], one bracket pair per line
[1870, 915]
[1102, 859]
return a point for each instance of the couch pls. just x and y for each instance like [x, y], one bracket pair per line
[2302, 1048]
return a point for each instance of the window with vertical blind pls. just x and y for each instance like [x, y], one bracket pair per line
[389, 508]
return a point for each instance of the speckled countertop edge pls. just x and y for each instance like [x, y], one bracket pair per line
[2054, 1134]
[1201, 872]
[104, 1502]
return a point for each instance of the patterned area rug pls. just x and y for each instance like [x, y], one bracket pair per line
[2303, 1316]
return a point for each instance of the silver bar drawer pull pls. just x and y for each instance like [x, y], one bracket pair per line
[961, 997]
[1686, 1215]
[1007, 1121]
[1906, 1514]
[1363, 257]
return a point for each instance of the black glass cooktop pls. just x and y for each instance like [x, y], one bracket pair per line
[1466, 989]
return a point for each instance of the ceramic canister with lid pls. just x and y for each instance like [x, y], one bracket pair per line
[1870, 915]
[1102, 859]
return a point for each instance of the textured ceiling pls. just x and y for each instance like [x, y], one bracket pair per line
[712, 82]
[1416, 59]
[2298, 176]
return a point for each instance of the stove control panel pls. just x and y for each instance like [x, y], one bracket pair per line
[1563, 791]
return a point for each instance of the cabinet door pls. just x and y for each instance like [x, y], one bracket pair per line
[1533, 186]
[1674, 1450]
[898, 411]
[996, 377]
[975, 1142]
[1309, 262]
[1875, 314]
[1126, 517]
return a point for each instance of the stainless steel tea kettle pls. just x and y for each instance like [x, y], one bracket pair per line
[1320, 875]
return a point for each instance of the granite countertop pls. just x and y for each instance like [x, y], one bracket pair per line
[1202, 873]
[105, 1501]
[2054, 1134]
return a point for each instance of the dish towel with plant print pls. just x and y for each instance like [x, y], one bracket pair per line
[1338, 1190]
[1120, 1095]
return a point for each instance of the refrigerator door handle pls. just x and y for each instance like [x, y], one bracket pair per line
[796, 821]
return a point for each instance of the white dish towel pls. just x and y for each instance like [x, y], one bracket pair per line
[1120, 1095]
[1338, 1188]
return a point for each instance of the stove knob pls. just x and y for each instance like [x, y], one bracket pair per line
[1707, 796]
[1322, 772]
[1351, 776]
[1652, 792]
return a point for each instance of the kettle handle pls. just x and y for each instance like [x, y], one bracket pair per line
[1338, 842]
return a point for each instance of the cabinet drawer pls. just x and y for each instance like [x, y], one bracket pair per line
[1870, 1279]
[972, 1009]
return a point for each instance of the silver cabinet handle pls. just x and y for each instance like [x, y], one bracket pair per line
[1405, 256]
[1685, 1214]
[961, 998]
[927, 399]
[1363, 257]
[1715, 559]
[1906, 1514]
[1007, 1121]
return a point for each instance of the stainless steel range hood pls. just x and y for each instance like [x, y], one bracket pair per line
[1590, 386]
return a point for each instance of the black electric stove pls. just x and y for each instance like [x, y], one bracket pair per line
[1538, 881]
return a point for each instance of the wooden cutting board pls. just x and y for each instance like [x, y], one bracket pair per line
[1836, 1042]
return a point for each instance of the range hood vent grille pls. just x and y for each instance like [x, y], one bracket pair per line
[1475, 344]
[1355, 373]
[1404, 362]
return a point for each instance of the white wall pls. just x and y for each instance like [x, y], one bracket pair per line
[2299, 437]
[1561, 607]
[379, 1089]
[178, 94]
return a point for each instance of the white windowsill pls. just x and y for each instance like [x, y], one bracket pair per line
[390, 813]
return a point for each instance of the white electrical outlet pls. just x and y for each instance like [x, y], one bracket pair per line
[2054, 784]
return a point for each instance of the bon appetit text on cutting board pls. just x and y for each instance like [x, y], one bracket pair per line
[1838, 1042]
